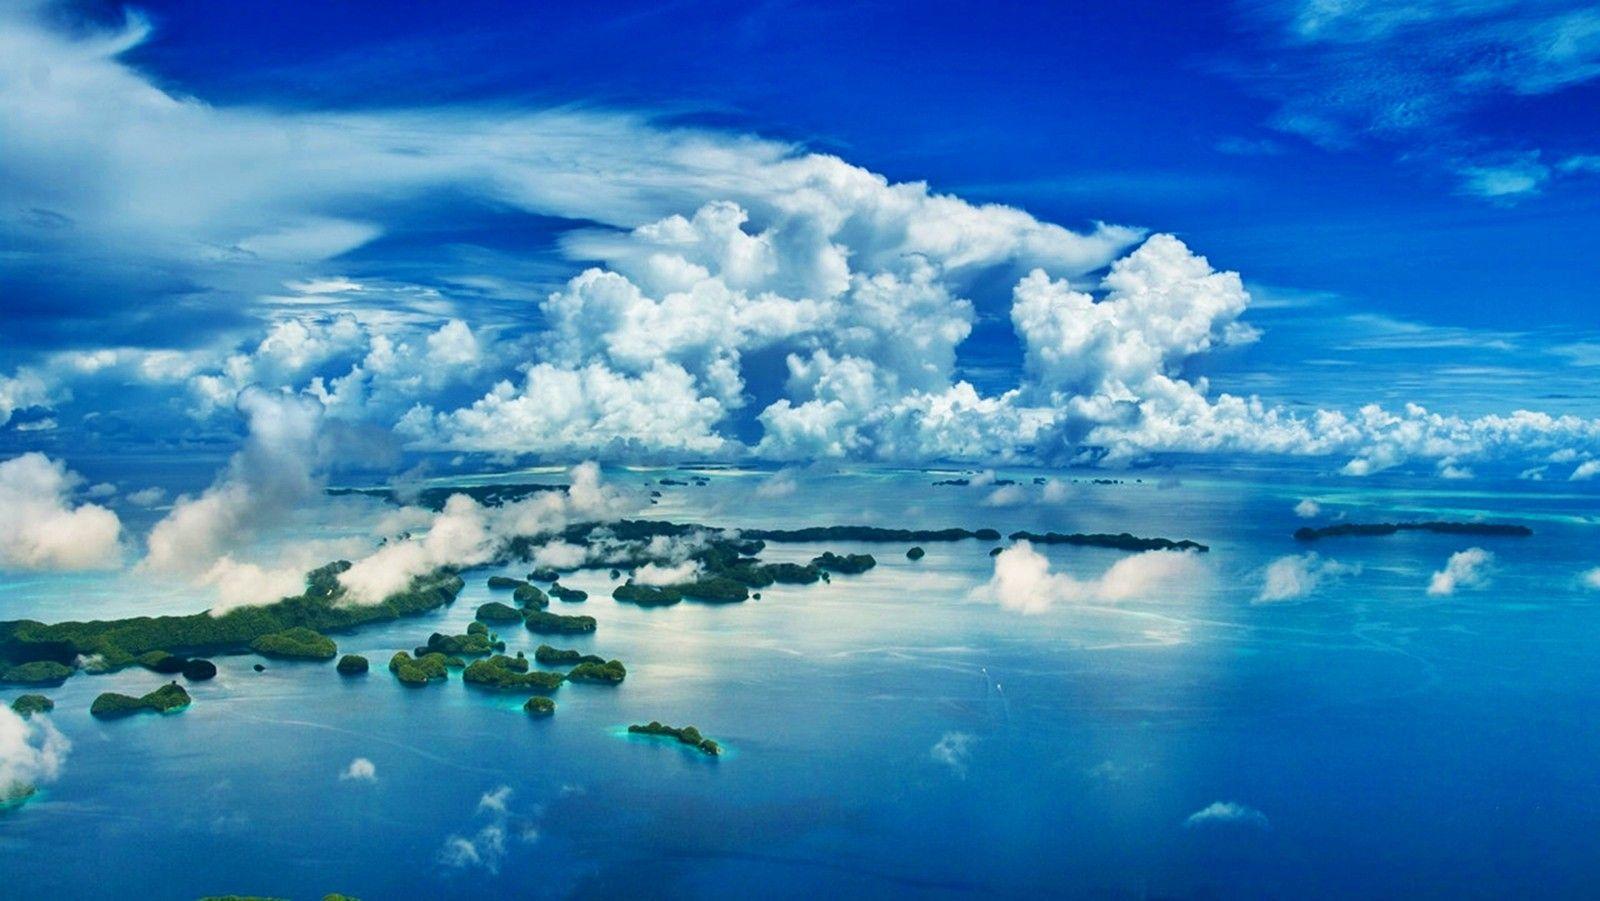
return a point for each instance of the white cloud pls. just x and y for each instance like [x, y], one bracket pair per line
[486, 847]
[1023, 582]
[40, 528]
[1006, 496]
[240, 584]
[32, 753]
[1586, 470]
[27, 388]
[147, 497]
[954, 750]
[467, 533]
[1227, 813]
[1297, 575]
[651, 574]
[360, 770]
[1307, 509]
[1464, 569]
[1591, 578]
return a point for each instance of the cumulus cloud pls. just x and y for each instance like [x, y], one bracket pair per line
[651, 574]
[1591, 578]
[32, 753]
[467, 533]
[486, 847]
[1464, 569]
[954, 750]
[1023, 582]
[360, 770]
[1307, 509]
[1296, 575]
[1585, 471]
[1227, 813]
[274, 471]
[41, 528]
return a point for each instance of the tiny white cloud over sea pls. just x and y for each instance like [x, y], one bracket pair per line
[32, 753]
[954, 750]
[1023, 582]
[1465, 569]
[1307, 509]
[360, 770]
[1591, 578]
[1295, 576]
[1227, 813]
[485, 848]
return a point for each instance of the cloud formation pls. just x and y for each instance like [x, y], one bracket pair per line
[32, 753]
[1464, 569]
[954, 750]
[360, 770]
[1227, 813]
[1294, 576]
[1023, 582]
[41, 527]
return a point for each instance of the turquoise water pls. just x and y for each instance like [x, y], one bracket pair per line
[889, 734]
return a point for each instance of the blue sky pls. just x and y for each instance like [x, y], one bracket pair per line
[1407, 192]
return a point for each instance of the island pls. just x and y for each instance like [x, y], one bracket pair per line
[848, 564]
[1121, 541]
[687, 735]
[119, 643]
[530, 596]
[570, 595]
[550, 656]
[352, 665]
[27, 705]
[169, 698]
[198, 669]
[611, 672]
[418, 671]
[37, 672]
[296, 643]
[916, 553]
[1378, 529]
[472, 644]
[506, 583]
[873, 534]
[544, 574]
[434, 497]
[505, 673]
[496, 612]
[543, 623]
[538, 706]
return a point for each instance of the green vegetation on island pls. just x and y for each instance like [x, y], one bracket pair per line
[28, 705]
[543, 623]
[570, 595]
[296, 643]
[323, 607]
[916, 553]
[1378, 529]
[687, 735]
[538, 706]
[496, 612]
[848, 564]
[353, 665]
[468, 645]
[817, 534]
[544, 574]
[502, 672]
[434, 498]
[505, 583]
[422, 670]
[166, 699]
[37, 672]
[550, 656]
[1121, 542]
[530, 596]
[611, 672]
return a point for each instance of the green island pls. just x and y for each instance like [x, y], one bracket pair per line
[37, 672]
[849, 564]
[539, 706]
[195, 669]
[504, 583]
[352, 665]
[168, 698]
[916, 553]
[496, 612]
[16, 794]
[27, 705]
[550, 656]
[543, 623]
[296, 643]
[502, 672]
[417, 671]
[687, 735]
[570, 595]
[472, 644]
[118, 643]
[434, 498]
[1121, 542]
[1378, 529]
[873, 534]
[611, 672]
[530, 596]
[544, 574]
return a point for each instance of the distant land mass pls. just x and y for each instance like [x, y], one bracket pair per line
[434, 498]
[1375, 529]
[1122, 541]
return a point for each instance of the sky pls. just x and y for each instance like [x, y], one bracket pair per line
[1357, 234]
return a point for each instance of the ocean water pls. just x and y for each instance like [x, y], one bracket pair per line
[892, 734]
